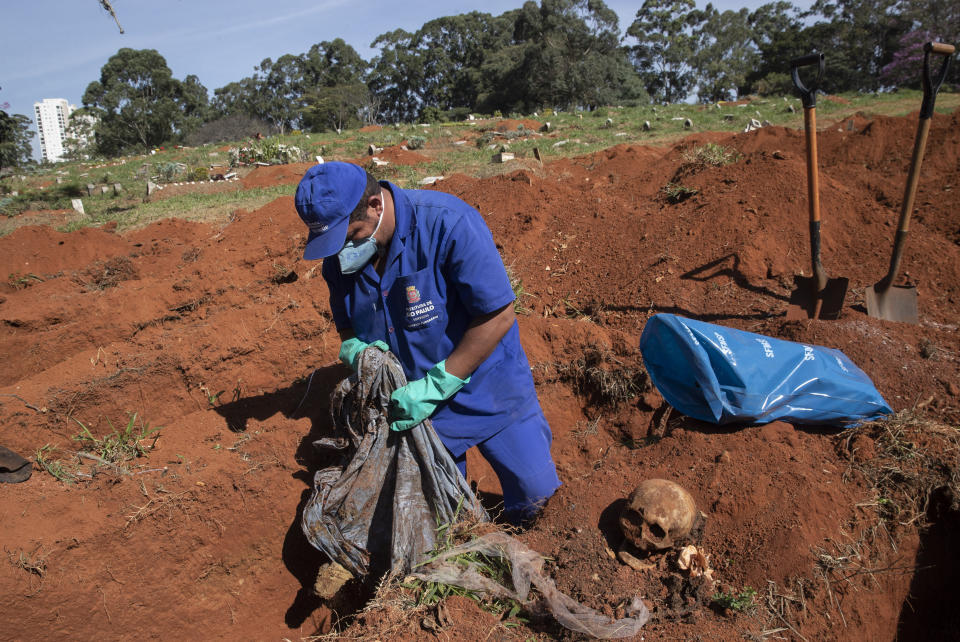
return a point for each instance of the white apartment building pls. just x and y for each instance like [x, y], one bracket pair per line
[52, 116]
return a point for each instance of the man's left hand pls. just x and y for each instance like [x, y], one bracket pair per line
[416, 401]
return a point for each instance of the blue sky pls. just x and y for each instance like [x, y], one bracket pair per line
[55, 48]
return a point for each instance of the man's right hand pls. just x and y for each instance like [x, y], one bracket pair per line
[351, 348]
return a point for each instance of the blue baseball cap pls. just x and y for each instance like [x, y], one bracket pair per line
[326, 196]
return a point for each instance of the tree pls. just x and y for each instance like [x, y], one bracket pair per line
[331, 63]
[280, 92]
[138, 101]
[937, 20]
[194, 104]
[336, 108]
[859, 38]
[664, 30]
[238, 97]
[778, 34]
[397, 76]
[335, 95]
[726, 53]
[572, 55]
[15, 135]
[438, 67]
[80, 135]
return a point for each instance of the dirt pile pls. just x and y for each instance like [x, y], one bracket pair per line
[212, 333]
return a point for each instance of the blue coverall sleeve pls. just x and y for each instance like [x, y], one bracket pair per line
[338, 293]
[474, 267]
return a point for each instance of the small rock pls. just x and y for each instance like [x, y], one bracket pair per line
[330, 578]
[724, 457]
[953, 389]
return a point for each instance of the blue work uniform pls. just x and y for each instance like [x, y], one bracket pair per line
[442, 270]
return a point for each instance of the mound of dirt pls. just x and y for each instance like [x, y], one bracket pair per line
[211, 334]
[512, 125]
[271, 175]
[400, 156]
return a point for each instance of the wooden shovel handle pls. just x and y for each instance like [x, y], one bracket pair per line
[940, 48]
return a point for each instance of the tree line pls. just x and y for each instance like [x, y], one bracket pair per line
[561, 54]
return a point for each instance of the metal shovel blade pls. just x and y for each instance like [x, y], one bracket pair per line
[893, 303]
[808, 302]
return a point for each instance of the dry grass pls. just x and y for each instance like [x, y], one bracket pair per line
[914, 460]
[603, 378]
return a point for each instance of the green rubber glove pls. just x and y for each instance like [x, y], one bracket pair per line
[351, 348]
[417, 400]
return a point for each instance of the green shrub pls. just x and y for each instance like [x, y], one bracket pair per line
[199, 174]
[71, 190]
[416, 142]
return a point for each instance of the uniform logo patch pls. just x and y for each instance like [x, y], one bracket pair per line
[412, 295]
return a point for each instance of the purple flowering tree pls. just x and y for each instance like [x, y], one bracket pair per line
[906, 68]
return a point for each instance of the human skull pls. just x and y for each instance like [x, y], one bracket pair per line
[659, 514]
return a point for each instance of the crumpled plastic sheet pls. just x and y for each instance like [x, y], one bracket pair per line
[376, 511]
[527, 569]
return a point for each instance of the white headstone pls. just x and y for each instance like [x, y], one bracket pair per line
[77, 205]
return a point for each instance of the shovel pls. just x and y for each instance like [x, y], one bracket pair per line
[817, 296]
[884, 299]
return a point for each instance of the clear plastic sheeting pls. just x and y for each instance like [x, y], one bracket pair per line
[722, 375]
[527, 569]
[376, 511]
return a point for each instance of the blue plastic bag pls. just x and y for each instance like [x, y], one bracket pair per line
[722, 375]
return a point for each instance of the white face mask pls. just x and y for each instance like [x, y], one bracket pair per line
[356, 254]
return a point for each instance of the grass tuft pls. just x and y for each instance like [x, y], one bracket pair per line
[497, 569]
[119, 446]
[742, 602]
[710, 155]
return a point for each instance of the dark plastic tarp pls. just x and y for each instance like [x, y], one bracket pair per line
[376, 510]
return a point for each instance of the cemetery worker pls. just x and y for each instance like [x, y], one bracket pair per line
[417, 272]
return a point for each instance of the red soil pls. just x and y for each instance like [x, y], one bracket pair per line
[399, 156]
[275, 175]
[510, 124]
[210, 333]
